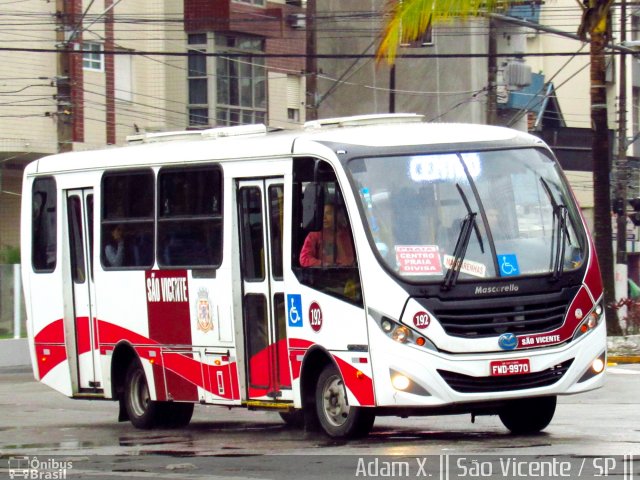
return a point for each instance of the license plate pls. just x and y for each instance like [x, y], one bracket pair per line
[509, 367]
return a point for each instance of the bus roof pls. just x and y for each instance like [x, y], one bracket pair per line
[247, 142]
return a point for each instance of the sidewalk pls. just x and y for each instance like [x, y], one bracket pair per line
[14, 353]
[624, 349]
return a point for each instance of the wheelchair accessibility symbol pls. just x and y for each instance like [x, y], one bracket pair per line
[294, 310]
[508, 265]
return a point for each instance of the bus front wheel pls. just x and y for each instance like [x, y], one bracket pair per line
[336, 416]
[528, 415]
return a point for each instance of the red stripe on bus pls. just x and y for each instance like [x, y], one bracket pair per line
[83, 335]
[359, 384]
[52, 333]
[48, 357]
[576, 312]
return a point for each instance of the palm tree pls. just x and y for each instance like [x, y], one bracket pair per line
[408, 19]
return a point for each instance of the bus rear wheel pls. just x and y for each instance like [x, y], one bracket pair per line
[143, 412]
[528, 415]
[336, 416]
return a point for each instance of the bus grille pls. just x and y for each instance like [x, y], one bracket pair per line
[489, 317]
[467, 384]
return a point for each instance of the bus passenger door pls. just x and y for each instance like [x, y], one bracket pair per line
[79, 210]
[260, 207]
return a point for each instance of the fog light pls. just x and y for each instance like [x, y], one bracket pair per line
[598, 365]
[400, 382]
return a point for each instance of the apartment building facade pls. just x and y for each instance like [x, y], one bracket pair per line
[436, 80]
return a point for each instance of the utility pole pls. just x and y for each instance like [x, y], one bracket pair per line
[392, 89]
[312, 62]
[621, 164]
[63, 76]
[492, 75]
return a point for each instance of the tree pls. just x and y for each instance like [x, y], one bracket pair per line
[408, 19]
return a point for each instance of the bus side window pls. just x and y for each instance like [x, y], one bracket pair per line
[127, 219]
[43, 225]
[190, 217]
[324, 259]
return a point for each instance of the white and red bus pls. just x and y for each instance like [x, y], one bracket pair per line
[362, 266]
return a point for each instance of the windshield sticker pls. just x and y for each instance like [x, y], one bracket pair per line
[470, 267]
[508, 265]
[418, 259]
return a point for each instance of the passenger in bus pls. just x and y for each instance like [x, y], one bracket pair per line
[332, 246]
[114, 250]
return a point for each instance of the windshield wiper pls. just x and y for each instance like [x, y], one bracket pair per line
[560, 233]
[468, 224]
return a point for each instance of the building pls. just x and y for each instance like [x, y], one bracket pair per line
[443, 88]
[79, 74]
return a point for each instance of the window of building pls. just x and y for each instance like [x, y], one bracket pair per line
[323, 253]
[197, 80]
[92, 58]
[241, 82]
[251, 2]
[127, 219]
[190, 217]
[424, 40]
[123, 78]
[43, 225]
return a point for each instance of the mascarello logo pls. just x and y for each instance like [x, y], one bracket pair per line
[507, 341]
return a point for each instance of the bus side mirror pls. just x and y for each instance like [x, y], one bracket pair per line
[313, 207]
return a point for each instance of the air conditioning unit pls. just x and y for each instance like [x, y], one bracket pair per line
[517, 74]
[297, 20]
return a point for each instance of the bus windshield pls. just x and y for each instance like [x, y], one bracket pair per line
[473, 215]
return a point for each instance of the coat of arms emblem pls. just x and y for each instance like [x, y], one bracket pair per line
[203, 311]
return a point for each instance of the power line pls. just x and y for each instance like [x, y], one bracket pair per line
[304, 55]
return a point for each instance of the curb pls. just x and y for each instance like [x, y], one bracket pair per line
[623, 359]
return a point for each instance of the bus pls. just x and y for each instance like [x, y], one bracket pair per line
[353, 268]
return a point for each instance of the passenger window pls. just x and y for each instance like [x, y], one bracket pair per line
[251, 230]
[190, 217]
[43, 225]
[127, 219]
[323, 255]
[76, 248]
[276, 211]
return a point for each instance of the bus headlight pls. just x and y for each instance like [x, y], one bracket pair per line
[591, 321]
[400, 333]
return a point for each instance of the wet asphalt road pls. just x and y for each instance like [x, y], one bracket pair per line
[36, 422]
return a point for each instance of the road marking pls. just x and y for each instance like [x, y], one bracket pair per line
[623, 371]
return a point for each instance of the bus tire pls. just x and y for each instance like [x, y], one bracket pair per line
[143, 412]
[337, 418]
[175, 414]
[293, 419]
[526, 416]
